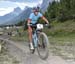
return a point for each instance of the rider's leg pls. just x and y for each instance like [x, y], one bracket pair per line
[30, 37]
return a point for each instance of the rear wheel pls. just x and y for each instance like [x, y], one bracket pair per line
[43, 45]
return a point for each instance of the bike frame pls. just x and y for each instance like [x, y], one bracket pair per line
[35, 37]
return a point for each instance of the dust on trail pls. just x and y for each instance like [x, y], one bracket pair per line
[21, 51]
[23, 54]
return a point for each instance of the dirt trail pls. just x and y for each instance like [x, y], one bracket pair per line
[20, 50]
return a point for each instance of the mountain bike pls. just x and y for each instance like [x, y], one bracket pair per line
[40, 41]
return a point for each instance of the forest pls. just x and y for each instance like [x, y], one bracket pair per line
[61, 10]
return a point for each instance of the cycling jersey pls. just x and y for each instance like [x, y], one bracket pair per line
[34, 17]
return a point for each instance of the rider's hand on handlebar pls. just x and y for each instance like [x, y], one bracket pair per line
[47, 24]
[28, 24]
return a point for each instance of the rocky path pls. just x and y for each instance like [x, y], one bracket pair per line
[21, 51]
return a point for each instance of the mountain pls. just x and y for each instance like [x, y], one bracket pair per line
[9, 16]
[45, 4]
[23, 15]
[17, 10]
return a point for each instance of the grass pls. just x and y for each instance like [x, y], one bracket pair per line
[63, 40]
[5, 57]
[59, 34]
[22, 37]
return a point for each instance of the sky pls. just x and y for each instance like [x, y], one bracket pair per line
[7, 6]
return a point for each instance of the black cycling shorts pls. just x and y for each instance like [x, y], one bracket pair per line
[34, 26]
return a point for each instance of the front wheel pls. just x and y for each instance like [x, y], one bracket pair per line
[43, 46]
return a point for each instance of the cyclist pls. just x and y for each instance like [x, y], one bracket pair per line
[34, 16]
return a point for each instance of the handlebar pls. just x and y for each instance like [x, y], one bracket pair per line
[34, 25]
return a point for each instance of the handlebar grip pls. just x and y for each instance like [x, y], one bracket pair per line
[48, 25]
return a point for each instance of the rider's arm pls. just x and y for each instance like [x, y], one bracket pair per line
[45, 19]
[41, 15]
[29, 21]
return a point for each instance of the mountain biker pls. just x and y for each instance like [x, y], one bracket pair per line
[34, 16]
